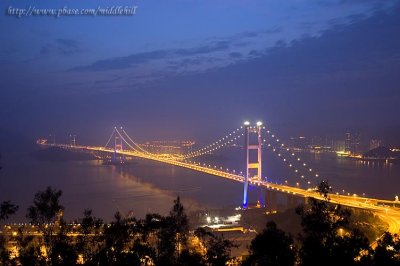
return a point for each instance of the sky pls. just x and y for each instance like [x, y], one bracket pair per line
[191, 69]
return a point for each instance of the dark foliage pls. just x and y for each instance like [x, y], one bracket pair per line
[7, 209]
[323, 241]
[272, 247]
[326, 239]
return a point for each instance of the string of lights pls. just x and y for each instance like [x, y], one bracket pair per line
[109, 139]
[289, 164]
[283, 147]
[133, 148]
[134, 143]
[218, 168]
[224, 141]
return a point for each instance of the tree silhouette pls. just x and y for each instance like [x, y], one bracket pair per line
[218, 249]
[89, 238]
[172, 235]
[271, 247]
[322, 240]
[64, 252]
[117, 248]
[44, 212]
[6, 209]
[387, 251]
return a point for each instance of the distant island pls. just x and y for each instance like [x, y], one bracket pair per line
[381, 153]
[58, 154]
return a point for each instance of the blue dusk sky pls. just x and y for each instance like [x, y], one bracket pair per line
[191, 69]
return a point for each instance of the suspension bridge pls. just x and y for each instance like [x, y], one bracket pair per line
[255, 137]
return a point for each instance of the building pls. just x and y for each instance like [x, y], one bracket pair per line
[352, 143]
[339, 145]
[347, 142]
[298, 142]
[375, 143]
[169, 146]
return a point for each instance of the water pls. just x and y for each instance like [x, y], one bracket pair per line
[144, 186]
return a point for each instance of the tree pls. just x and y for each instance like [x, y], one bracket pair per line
[191, 258]
[89, 239]
[7, 209]
[272, 247]
[172, 235]
[44, 212]
[117, 246]
[64, 252]
[322, 242]
[387, 251]
[180, 222]
[218, 249]
[29, 251]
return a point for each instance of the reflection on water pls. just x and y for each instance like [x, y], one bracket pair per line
[145, 186]
[140, 188]
[374, 179]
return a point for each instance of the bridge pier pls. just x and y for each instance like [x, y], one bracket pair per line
[261, 197]
[292, 201]
[271, 200]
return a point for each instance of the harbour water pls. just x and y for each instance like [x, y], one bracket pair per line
[144, 186]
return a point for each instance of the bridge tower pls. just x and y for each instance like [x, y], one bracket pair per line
[72, 140]
[117, 145]
[253, 167]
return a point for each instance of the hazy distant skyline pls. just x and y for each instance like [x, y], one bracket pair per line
[197, 69]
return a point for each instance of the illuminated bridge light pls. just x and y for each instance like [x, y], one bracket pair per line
[198, 166]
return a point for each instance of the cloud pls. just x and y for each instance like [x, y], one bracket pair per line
[235, 55]
[146, 57]
[62, 47]
[205, 49]
[213, 53]
[124, 61]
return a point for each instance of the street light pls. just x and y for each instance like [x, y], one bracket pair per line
[247, 123]
[259, 124]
